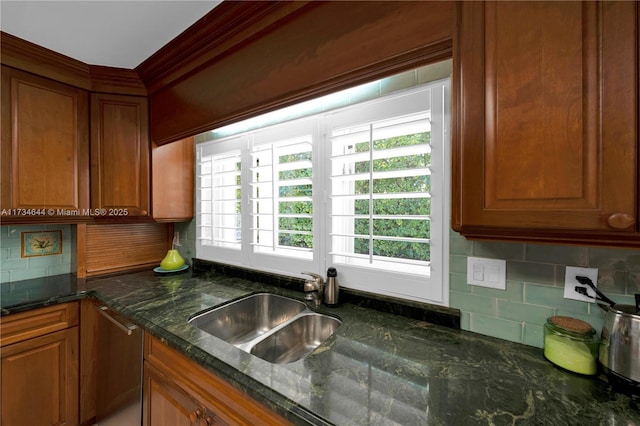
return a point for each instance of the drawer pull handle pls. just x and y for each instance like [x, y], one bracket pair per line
[620, 220]
[127, 328]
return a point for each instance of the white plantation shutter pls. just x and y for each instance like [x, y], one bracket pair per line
[283, 219]
[363, 195]
[219, 200]
[227, 204]
[362, 189]
[388, 194]
[281, 197]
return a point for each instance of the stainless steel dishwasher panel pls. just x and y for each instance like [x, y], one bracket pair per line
[119, 391]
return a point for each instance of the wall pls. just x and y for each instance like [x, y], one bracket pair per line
[15, 268]
[535, 286]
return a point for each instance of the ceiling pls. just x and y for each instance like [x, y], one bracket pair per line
[113, 33]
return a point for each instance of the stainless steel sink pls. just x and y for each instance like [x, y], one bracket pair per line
[275, 328]
[296, 339]
[249, 318]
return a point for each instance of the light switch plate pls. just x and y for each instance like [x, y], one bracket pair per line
[487, 272]
[570, 283]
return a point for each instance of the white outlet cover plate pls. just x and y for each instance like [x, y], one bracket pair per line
[570, 283]
[487, 272]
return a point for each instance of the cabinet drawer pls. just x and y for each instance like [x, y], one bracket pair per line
[26, 325]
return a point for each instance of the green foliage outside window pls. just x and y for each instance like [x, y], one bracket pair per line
[394, 207]
[295, 224]
[400, 227]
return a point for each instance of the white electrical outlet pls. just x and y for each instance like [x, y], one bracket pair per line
[570, 283]
[487, 272]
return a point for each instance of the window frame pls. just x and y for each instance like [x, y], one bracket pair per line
[396, 284]
[436, 285]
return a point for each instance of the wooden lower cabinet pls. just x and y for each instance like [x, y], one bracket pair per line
[177, 391]
[167, 404]
[39, 375]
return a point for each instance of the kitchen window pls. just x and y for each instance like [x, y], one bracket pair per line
[362, 188]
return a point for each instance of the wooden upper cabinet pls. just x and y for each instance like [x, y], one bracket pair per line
[173, 180]
[545, 119]
[120, 151]
[45, 146]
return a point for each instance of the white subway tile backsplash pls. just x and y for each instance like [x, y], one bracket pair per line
[534, 278]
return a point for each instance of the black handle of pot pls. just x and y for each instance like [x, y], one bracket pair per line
[638, 303]
[587, 281]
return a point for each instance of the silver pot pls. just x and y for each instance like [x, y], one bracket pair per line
[620, 346]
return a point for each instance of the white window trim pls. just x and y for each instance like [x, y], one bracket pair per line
[369, 280]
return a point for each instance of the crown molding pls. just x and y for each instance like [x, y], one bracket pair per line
[30, 57]
[26, 56]
[223, 30]
[116, 80]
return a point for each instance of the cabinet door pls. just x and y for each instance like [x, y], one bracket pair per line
[45, 145]
[120, 151]
[222, 403]
[40, 380]
[165, 404]
[172, 180]
[545, 116]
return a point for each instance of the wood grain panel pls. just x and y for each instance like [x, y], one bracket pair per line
[545, 121]
[542, 105]
[45, 144]
[172, 168]
[24, 55]
[319, 49]
[229, 26]
[40, 380]
[228, 403]
[120, 154]
[88, 362]
[118, 247]
[79, 244]
[30, 324]
[45, 155]
[27, 56]
[165, 404]
[116, 80]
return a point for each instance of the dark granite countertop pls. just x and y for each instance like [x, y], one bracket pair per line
[378, 369]
[35, 293]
